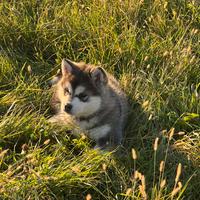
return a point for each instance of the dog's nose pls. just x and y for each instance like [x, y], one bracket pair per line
[68, 107]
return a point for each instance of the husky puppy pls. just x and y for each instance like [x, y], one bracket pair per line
[92, 99]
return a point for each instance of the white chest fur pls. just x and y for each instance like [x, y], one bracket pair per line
[87, 124]
[99, 132]
[94, 132]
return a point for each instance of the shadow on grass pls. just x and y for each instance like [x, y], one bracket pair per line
[140, 135]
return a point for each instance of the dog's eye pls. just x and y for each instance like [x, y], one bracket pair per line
[83, 97]
[66, 91]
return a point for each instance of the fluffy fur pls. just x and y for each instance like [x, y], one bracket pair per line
[92, 99]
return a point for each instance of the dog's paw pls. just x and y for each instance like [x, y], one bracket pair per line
[52, 120]
[61, 119]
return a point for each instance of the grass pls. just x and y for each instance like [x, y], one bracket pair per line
[152, 47]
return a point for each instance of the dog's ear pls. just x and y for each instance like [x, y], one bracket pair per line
[67, 66]
[99, 76]
[55, 79]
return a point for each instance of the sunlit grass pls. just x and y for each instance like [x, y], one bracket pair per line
[152, 48]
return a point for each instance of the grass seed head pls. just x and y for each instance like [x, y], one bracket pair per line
[180, 185]
[145, 103]
[181, 133]
[142, 191]
[104, 167]
[143, 182]
[148, 66]
[134, 155]
[88, 197]
[155, 146]
[171, 133]
[46, 142]
[178, 173]
[195, 31]
[150, 117]
[136, 174]
[128, 192]
[146, 58]
[139, 176]
[29, 69]
[163, 183]
[161, 168]
[176, 190]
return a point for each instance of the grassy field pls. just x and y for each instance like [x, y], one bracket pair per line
[152, 47]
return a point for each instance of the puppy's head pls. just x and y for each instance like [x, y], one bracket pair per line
[79, 88]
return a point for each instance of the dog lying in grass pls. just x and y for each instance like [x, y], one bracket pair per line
[92, 99]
